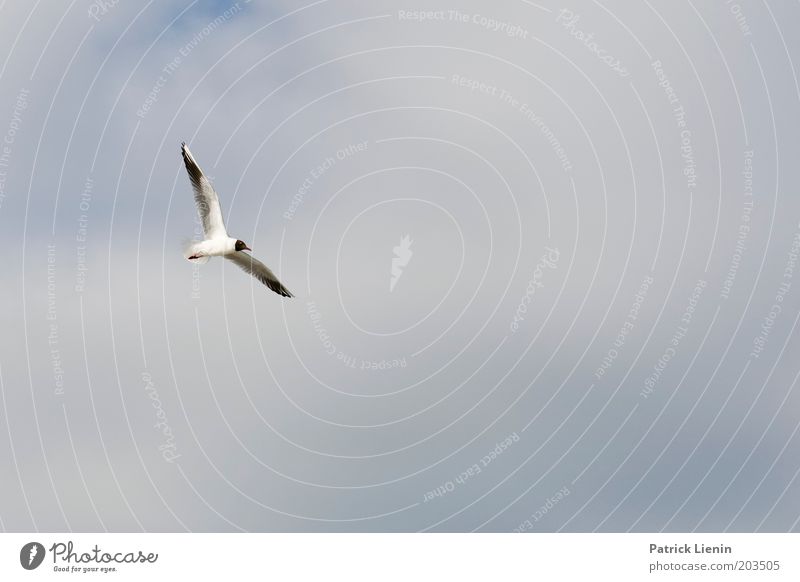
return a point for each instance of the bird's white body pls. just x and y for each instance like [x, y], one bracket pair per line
[217, 242]
[211, 247]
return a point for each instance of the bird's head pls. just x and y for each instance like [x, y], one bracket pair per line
[240, 246]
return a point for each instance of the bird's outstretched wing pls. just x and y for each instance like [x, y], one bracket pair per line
[205, 197]
[259, 270]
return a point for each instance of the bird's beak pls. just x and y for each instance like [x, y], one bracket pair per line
[248, 248]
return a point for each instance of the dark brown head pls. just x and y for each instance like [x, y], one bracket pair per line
[240, 246]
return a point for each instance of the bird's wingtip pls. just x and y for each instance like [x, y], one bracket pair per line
[187, 155]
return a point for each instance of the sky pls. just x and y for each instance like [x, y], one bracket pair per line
[544, 259]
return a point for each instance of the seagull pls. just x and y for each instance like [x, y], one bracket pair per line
[217, 242]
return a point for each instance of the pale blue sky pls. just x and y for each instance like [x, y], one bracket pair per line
[141, 393]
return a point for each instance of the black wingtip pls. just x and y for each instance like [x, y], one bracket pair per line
[187, 157]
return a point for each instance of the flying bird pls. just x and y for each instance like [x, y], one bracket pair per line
[217, 243]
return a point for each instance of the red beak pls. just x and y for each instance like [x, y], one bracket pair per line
[248, 248]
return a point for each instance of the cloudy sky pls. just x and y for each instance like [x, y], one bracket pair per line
[545, 260]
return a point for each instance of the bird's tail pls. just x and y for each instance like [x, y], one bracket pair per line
[193, 252]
